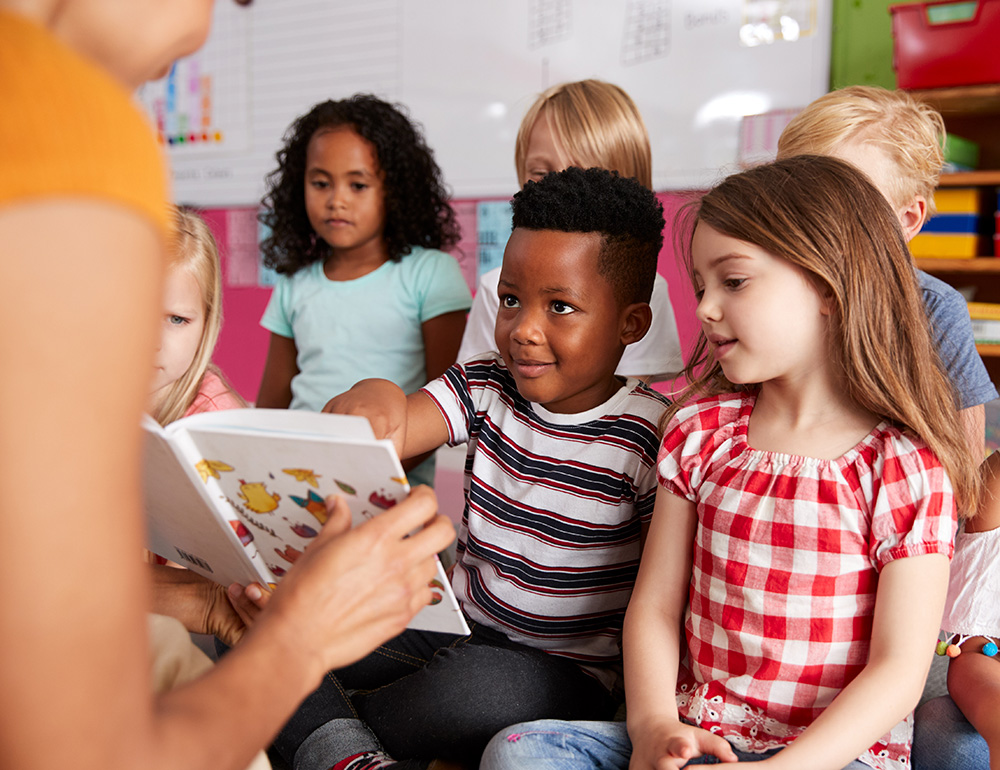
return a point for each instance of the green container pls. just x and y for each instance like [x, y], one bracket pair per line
[961, 153]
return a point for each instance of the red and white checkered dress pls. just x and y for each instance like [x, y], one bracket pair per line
[787, 555]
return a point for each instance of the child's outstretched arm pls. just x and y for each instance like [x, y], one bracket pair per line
[908, 607]
[412, 422]
[652, 643]
[442, 339]
[281, 366]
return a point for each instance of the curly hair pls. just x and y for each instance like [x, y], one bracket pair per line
[417, 212]
[627, 215]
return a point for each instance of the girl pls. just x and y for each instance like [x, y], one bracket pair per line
[802, 532]
[358, 213]
[185, 381]
[961, 731]
[588, 123]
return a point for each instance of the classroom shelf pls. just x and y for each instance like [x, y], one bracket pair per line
[970, 179]
[972, 266]
[988, 351]
[962, 100]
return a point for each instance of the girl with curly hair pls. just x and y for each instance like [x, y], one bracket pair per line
[358, 213]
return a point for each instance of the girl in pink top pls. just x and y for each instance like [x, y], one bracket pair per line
[185, 381]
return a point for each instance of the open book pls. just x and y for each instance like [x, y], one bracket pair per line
[237, 495]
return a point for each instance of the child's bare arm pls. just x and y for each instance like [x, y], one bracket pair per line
[908, 608]
[442, 339]
[974, 422]
[281, 366]
[974, 684]
[413, 422]
[652, 644]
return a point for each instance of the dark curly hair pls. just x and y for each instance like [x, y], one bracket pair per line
[626, 214]
[417, 212]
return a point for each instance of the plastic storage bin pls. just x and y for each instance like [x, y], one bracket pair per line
[946, 43]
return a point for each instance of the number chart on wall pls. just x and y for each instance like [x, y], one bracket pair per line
[467, 71]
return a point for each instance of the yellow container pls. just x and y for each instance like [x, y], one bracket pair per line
[961, 246]
[957, 200]
[986, 311]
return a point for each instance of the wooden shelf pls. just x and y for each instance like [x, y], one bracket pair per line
[970, 179]
[977, 265]
[988, 351]
[964, 100]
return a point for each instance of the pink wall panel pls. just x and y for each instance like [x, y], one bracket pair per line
[242, 347]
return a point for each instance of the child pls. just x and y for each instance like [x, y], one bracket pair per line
[358, 213]
[185, 381]
[897, 141]
[802, 532]
[588, 123]
[944, 739]
[559, 481]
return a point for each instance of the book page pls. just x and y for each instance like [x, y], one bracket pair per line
[274, 485]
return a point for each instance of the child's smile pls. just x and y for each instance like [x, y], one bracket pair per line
[559, 326]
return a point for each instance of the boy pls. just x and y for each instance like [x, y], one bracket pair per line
[896, 141]
[559, 482]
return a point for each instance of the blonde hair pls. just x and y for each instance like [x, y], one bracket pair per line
[194, 250]
[598, 125]
[909, 132]
[826, 217]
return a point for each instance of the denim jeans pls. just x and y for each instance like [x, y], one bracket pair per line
[943, 739]
[427, 695]
[553, 745]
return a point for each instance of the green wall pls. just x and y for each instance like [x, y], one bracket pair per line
[861, 48]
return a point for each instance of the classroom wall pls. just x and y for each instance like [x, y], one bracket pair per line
[242, 347]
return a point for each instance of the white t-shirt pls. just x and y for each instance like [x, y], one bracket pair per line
[658, 354]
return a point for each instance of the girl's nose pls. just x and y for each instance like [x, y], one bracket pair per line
[708, 309]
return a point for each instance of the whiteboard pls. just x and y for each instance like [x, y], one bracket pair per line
[468, 69]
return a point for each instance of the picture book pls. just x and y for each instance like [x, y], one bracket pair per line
[236, 495]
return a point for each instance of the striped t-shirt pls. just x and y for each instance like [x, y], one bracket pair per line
[549, 544]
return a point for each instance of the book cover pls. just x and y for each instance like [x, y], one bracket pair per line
[237, 495]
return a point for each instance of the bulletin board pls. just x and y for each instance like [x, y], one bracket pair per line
[468, 69]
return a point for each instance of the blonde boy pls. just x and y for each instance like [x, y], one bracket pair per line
[896, 140]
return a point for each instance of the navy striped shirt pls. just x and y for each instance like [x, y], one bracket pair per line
[548, 549]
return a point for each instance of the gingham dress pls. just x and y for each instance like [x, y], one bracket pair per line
[787, 554]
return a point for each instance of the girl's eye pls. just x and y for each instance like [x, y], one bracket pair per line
[734, 283]
[177, 320]
[561, 308]
[358, 186]
[536, 176]
[319, 184]
[508, 301]
[699, 293]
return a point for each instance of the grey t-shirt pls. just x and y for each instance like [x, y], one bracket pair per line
[952, 330]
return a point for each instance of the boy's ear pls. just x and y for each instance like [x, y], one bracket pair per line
[635, 322]
[912, 216]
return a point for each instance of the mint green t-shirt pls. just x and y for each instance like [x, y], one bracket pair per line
[346, 331]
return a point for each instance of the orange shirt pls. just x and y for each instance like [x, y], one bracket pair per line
[68, 129]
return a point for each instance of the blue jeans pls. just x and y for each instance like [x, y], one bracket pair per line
[426, 695]
[943, 739]
[553, 745]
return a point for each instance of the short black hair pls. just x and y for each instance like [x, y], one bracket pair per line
[626, 214]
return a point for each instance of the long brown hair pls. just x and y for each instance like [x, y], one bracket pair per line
[826, 217]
